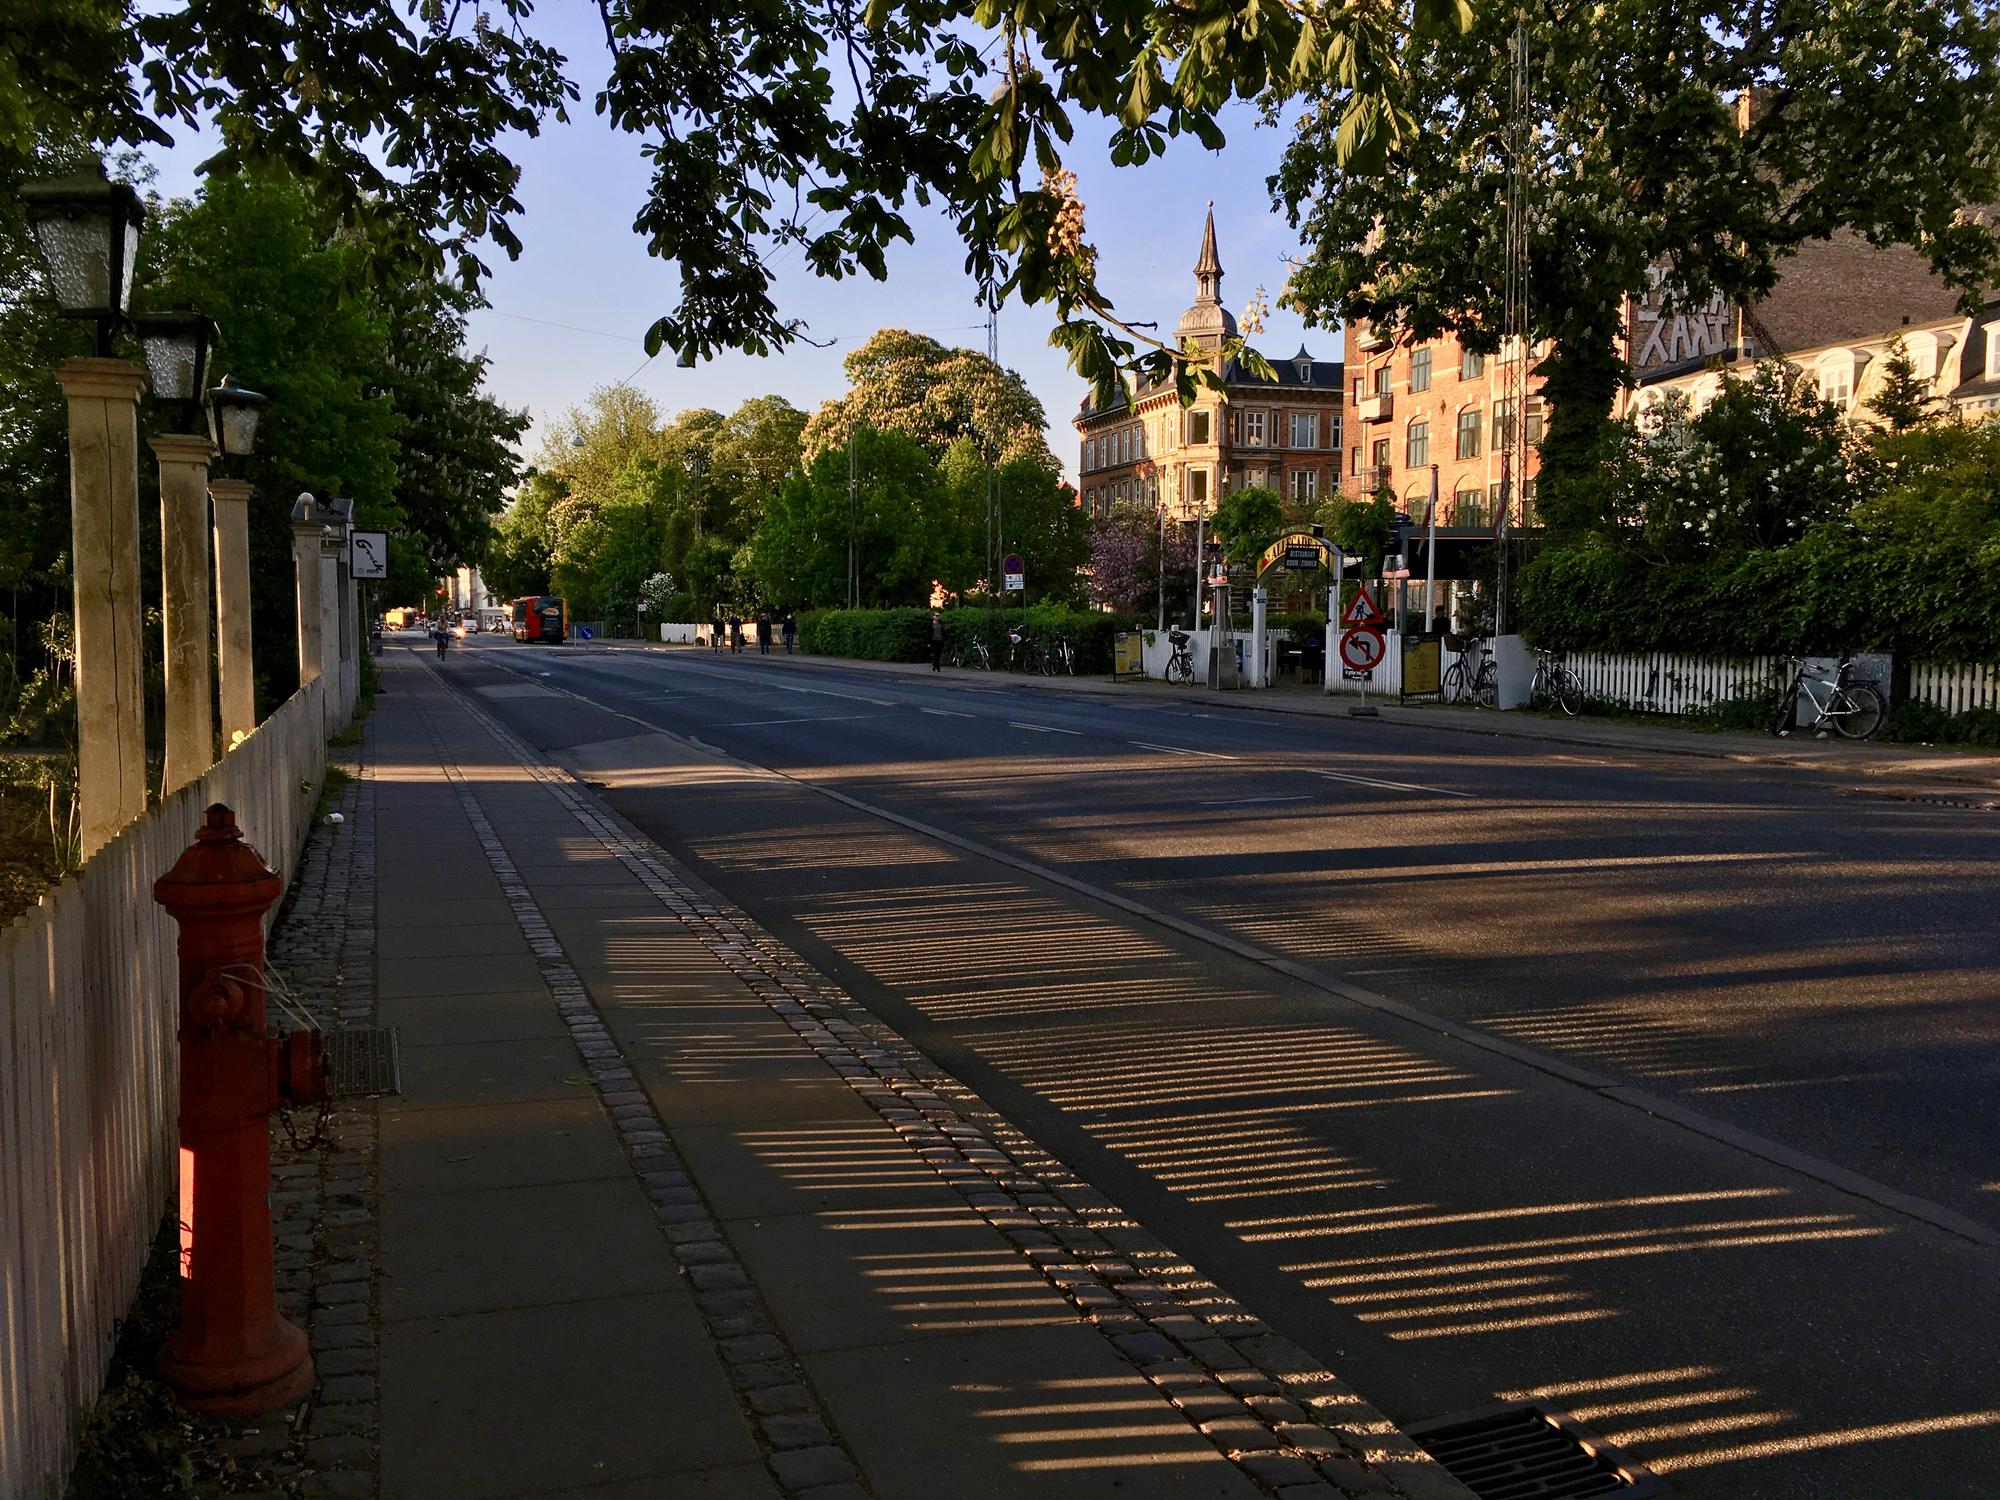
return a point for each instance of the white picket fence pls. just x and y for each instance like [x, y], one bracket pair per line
[89, 1080]
[1956, 686]
[1666, 682]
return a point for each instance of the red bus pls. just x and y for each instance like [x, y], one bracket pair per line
[541, 618]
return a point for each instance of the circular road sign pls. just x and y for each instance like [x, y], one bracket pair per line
[1012, 563]
[1362, 648]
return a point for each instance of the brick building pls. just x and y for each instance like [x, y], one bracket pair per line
[1152, 452]
[1435, 404]
[1837, 308]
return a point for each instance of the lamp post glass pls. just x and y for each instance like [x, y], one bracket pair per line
[233, 414]
[87, 229]
[178, 347]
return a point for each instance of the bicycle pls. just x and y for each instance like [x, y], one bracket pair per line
[972, 653]
[1180, 665]
[1059, 658]
[1850, 709]
[1024, 653]
[1556, 682]
[1467, 682]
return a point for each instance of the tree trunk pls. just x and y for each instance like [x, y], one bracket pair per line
[1580, 381]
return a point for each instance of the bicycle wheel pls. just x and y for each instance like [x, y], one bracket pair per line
[1486, 686]
[1180, 668]
[1066, 659]
[1569, 691]
[1452, 688]
[1857, 711]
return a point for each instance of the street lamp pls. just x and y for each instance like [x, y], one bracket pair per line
[87, 228]
[233, 415]
[178, 347]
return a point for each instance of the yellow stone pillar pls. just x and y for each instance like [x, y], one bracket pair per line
[184, 531]
[103, 396]
[231, 498]
[307, 535]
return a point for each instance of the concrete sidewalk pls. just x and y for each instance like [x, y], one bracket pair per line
[664, 1213]
[1912, 763]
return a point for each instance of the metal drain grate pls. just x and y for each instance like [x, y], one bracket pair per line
[1970, 801]
[363, 1061]
[1522, 1451]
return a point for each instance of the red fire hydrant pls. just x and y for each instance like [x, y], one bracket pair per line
[231, 1353]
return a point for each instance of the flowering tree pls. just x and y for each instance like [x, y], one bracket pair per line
[1119, 578]
[907, 383]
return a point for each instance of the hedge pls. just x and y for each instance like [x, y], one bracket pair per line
[905, 634]
[1833, 590]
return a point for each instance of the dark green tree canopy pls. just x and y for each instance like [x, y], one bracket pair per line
[767, 123]
[1875, 116]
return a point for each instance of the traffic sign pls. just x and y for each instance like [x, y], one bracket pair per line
[1014, 583]
[1012, 564]
[1361, 609]
[1362, 648]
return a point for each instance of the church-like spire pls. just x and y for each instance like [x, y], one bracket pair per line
[1208, 270]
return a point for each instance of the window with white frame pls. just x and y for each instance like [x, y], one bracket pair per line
[1836, 381]
[1305, 484]
[1471, 366]
[1254, 424]
[1090, 453]
[1537, 419]
[1305, 429]
[1333, 430]
[1468, 433]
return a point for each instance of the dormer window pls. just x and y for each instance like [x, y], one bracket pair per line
[1305, 372]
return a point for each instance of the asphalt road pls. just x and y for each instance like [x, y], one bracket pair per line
[1664, 1088]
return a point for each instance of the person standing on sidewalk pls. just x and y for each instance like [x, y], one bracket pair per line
[937, 641]
[763, 632]
[791, 629]
[735, 634]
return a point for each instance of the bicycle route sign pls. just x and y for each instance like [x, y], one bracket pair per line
[1362, 648]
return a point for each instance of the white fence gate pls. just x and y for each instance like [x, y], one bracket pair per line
[89, 1083]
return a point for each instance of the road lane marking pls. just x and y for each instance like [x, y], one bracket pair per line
[1042, 728]
[1394, 786]
[830, 693]
[1182, 750]
[947, 713]
[1255, 801]
[801, 719]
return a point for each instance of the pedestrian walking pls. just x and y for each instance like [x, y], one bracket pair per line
[441, 632]
[736, 635]
[791, 630]
[763, 632]
[937, 641]
[716, 628]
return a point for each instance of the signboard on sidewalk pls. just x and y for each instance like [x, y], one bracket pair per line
[1128, 654]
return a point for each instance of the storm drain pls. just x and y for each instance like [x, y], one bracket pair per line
[1930, 799]
[363, 1062]
[1522, 1451]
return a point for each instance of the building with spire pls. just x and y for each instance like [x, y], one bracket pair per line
[1150, 452]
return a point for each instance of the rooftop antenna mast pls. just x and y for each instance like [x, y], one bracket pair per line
[1520, 141]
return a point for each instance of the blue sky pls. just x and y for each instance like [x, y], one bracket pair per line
[583, 266]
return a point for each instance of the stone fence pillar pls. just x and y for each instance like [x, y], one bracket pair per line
[232, 607]
[103, 396]
[184, 533]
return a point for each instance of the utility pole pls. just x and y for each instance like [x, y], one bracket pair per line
[853, 516]
[1513, 454]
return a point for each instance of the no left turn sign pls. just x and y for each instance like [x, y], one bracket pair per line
[1362, 648]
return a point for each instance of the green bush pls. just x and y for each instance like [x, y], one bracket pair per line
[1927, 724]
[905, 635]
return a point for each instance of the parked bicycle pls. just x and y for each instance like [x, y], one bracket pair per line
[1555, 683]
[1472, 678]
[1851, 709]
[1180, 665]
[1059, 658]
[972, 652]
[1024, 653]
